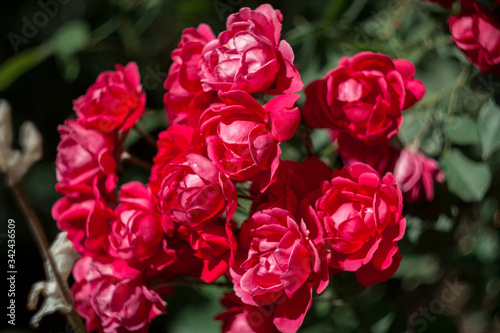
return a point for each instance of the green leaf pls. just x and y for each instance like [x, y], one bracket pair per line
[443, 223]
[461, 130]
[468, 179]
[412, 124]
[489, 128]
[70, 38]
[20, 63]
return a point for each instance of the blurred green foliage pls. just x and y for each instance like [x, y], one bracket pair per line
[452, 241]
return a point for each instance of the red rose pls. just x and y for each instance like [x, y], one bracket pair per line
[195, 192]
[243, 318]
[415, 174]
[183, 81]
[364, 96]
[173, 145]
[277, 265]
[87, 221]
[213, 245]
[115, 101]
[114, 297]
[361, 214]
[476, 32]
[243, 137]
[82, 155]
[137, 235]
[249, 56]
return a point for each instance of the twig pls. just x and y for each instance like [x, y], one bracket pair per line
[149, 139]
[462, 79]
[127, 158]
[43, 246]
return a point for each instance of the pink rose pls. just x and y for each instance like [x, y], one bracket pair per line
[243, 137]
[249, 56]
[364, 96]
[183, 81]
[173, 145]
[195, 192]
[415, 174]
[277, 265]
[213, 245]
[114, 297]
[361, 214]
[295, 181]
[243, 318]
[87, 221]
[137, 235]
[115, 101]
[476, 32]
[83, 155]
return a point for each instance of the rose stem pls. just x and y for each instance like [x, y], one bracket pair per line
[43, 246]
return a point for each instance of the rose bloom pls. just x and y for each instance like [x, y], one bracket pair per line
[86, 220]
[137, 234]
[213, 245]
[173, 145]
[243, 137]
[114, 297]
[115, 101]
[277, 264]
[476, 32]
[361, 214]
[243, 318]
[415, 174]
[85, 154]
[195, 192]
[183, 81]
[249, 55]
[364, 96]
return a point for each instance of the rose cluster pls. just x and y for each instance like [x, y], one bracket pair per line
[361, 101]
[231, 102]
[475, 30]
